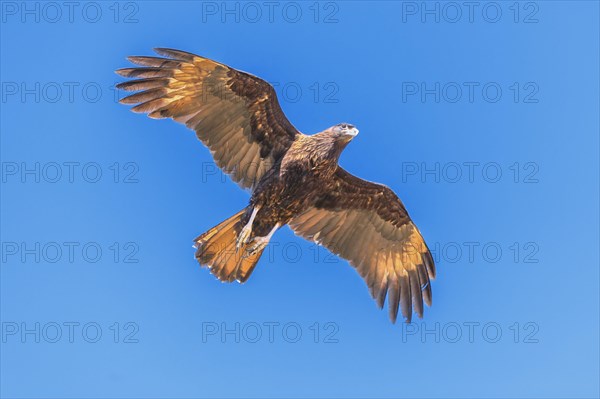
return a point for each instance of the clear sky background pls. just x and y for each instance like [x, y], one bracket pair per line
[483, 118]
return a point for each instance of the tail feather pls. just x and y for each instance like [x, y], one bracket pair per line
[217, 249]
[246, 266]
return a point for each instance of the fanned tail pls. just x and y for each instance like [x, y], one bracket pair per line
[217, 250]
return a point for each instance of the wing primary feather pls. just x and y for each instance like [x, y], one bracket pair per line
[428, 260]
[151, 106]
[374, 278]
[145, 72]
[425, 284]
[393, 298]
[405, 304]
[384, 283]
[143, 84]
[144, 96]
[383, 290]
[415, 290]
[175, 54]
[154, 62]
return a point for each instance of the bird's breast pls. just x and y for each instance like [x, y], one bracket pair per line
[306, 162]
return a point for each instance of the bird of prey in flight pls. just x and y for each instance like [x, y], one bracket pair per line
[294, 179]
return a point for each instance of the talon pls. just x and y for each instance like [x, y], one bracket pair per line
[244, 236]
[259, 243]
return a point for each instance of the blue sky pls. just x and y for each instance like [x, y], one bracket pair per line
[483, 118]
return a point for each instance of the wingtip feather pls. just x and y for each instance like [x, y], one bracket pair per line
[174, 54]
[123, 72]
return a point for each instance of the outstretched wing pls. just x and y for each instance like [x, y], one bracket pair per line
[367, 224]
[235, 114]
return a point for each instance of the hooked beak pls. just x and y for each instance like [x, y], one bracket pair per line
[349, 134]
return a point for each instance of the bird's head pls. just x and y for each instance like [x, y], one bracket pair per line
[343, 132]
[331, 142]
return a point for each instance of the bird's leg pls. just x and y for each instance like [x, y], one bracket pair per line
[247, 230]
[260, 242]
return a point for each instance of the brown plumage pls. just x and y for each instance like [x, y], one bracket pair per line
[294, 178]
